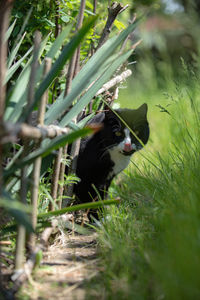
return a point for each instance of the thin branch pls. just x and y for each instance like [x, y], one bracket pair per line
[37, 163]
[57, 17]
[113, 11]
[22, 274]
[61, 176]
[114, 81]
[92, 41]
[94, 6]
[73, 70]
[11, 132]
[55, 177]
[5, 9]
[78, 26]
[20, 242]
[34, 67]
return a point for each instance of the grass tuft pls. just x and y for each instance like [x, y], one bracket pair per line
[150, 244]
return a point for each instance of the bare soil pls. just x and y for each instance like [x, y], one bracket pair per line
[66, 268]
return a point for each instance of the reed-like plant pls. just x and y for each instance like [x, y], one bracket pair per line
[98, 70]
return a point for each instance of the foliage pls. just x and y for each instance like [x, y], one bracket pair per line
[150, 244]
[101, 65]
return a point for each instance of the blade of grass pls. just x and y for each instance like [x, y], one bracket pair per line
[92, 205]
[43, 216]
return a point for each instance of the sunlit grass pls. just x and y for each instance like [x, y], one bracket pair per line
[151, 243]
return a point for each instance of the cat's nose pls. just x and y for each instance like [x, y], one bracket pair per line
[128, 147]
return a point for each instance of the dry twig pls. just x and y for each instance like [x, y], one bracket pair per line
[113, 11]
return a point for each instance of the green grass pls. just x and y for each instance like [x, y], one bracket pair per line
[150, 244]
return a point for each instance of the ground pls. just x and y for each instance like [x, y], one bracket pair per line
[67, 265]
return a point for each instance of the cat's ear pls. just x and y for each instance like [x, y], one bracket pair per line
[142, 111]
[98, 118]
[134, 117]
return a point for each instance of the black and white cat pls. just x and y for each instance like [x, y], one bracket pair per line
[106, 153]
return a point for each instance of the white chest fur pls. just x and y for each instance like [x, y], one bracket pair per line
[120, 161]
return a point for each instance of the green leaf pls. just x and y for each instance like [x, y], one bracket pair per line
[17, 210]
[119, 25]
[14, 51]
[59, 41]
[65, 19]
[9, 31]
[14, 68]
[91, 205]
[18, 96]
[88, 74]
[83, 101]
[67, 52]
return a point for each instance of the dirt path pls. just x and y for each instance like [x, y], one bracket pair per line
[66, 267]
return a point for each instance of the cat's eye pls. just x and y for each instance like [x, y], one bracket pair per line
[118, 133]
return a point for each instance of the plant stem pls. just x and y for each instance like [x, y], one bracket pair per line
[113, 11]
[37, 163]
[5, 9]
[20, 242]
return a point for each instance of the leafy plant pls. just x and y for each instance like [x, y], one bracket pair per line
[97, 70]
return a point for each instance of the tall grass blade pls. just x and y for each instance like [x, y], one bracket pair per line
[91, 205]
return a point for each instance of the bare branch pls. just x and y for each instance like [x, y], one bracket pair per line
[31, 89]
[61, 176]
[57, 17]
[20, 242]
[37, 163]
[9, 132]
[113, 11]
[74, 68]
[55, 177]
[5, 8]
[114, 81]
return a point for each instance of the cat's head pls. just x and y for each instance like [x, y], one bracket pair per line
[130, 129]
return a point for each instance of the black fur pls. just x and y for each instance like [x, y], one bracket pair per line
[94, 161]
